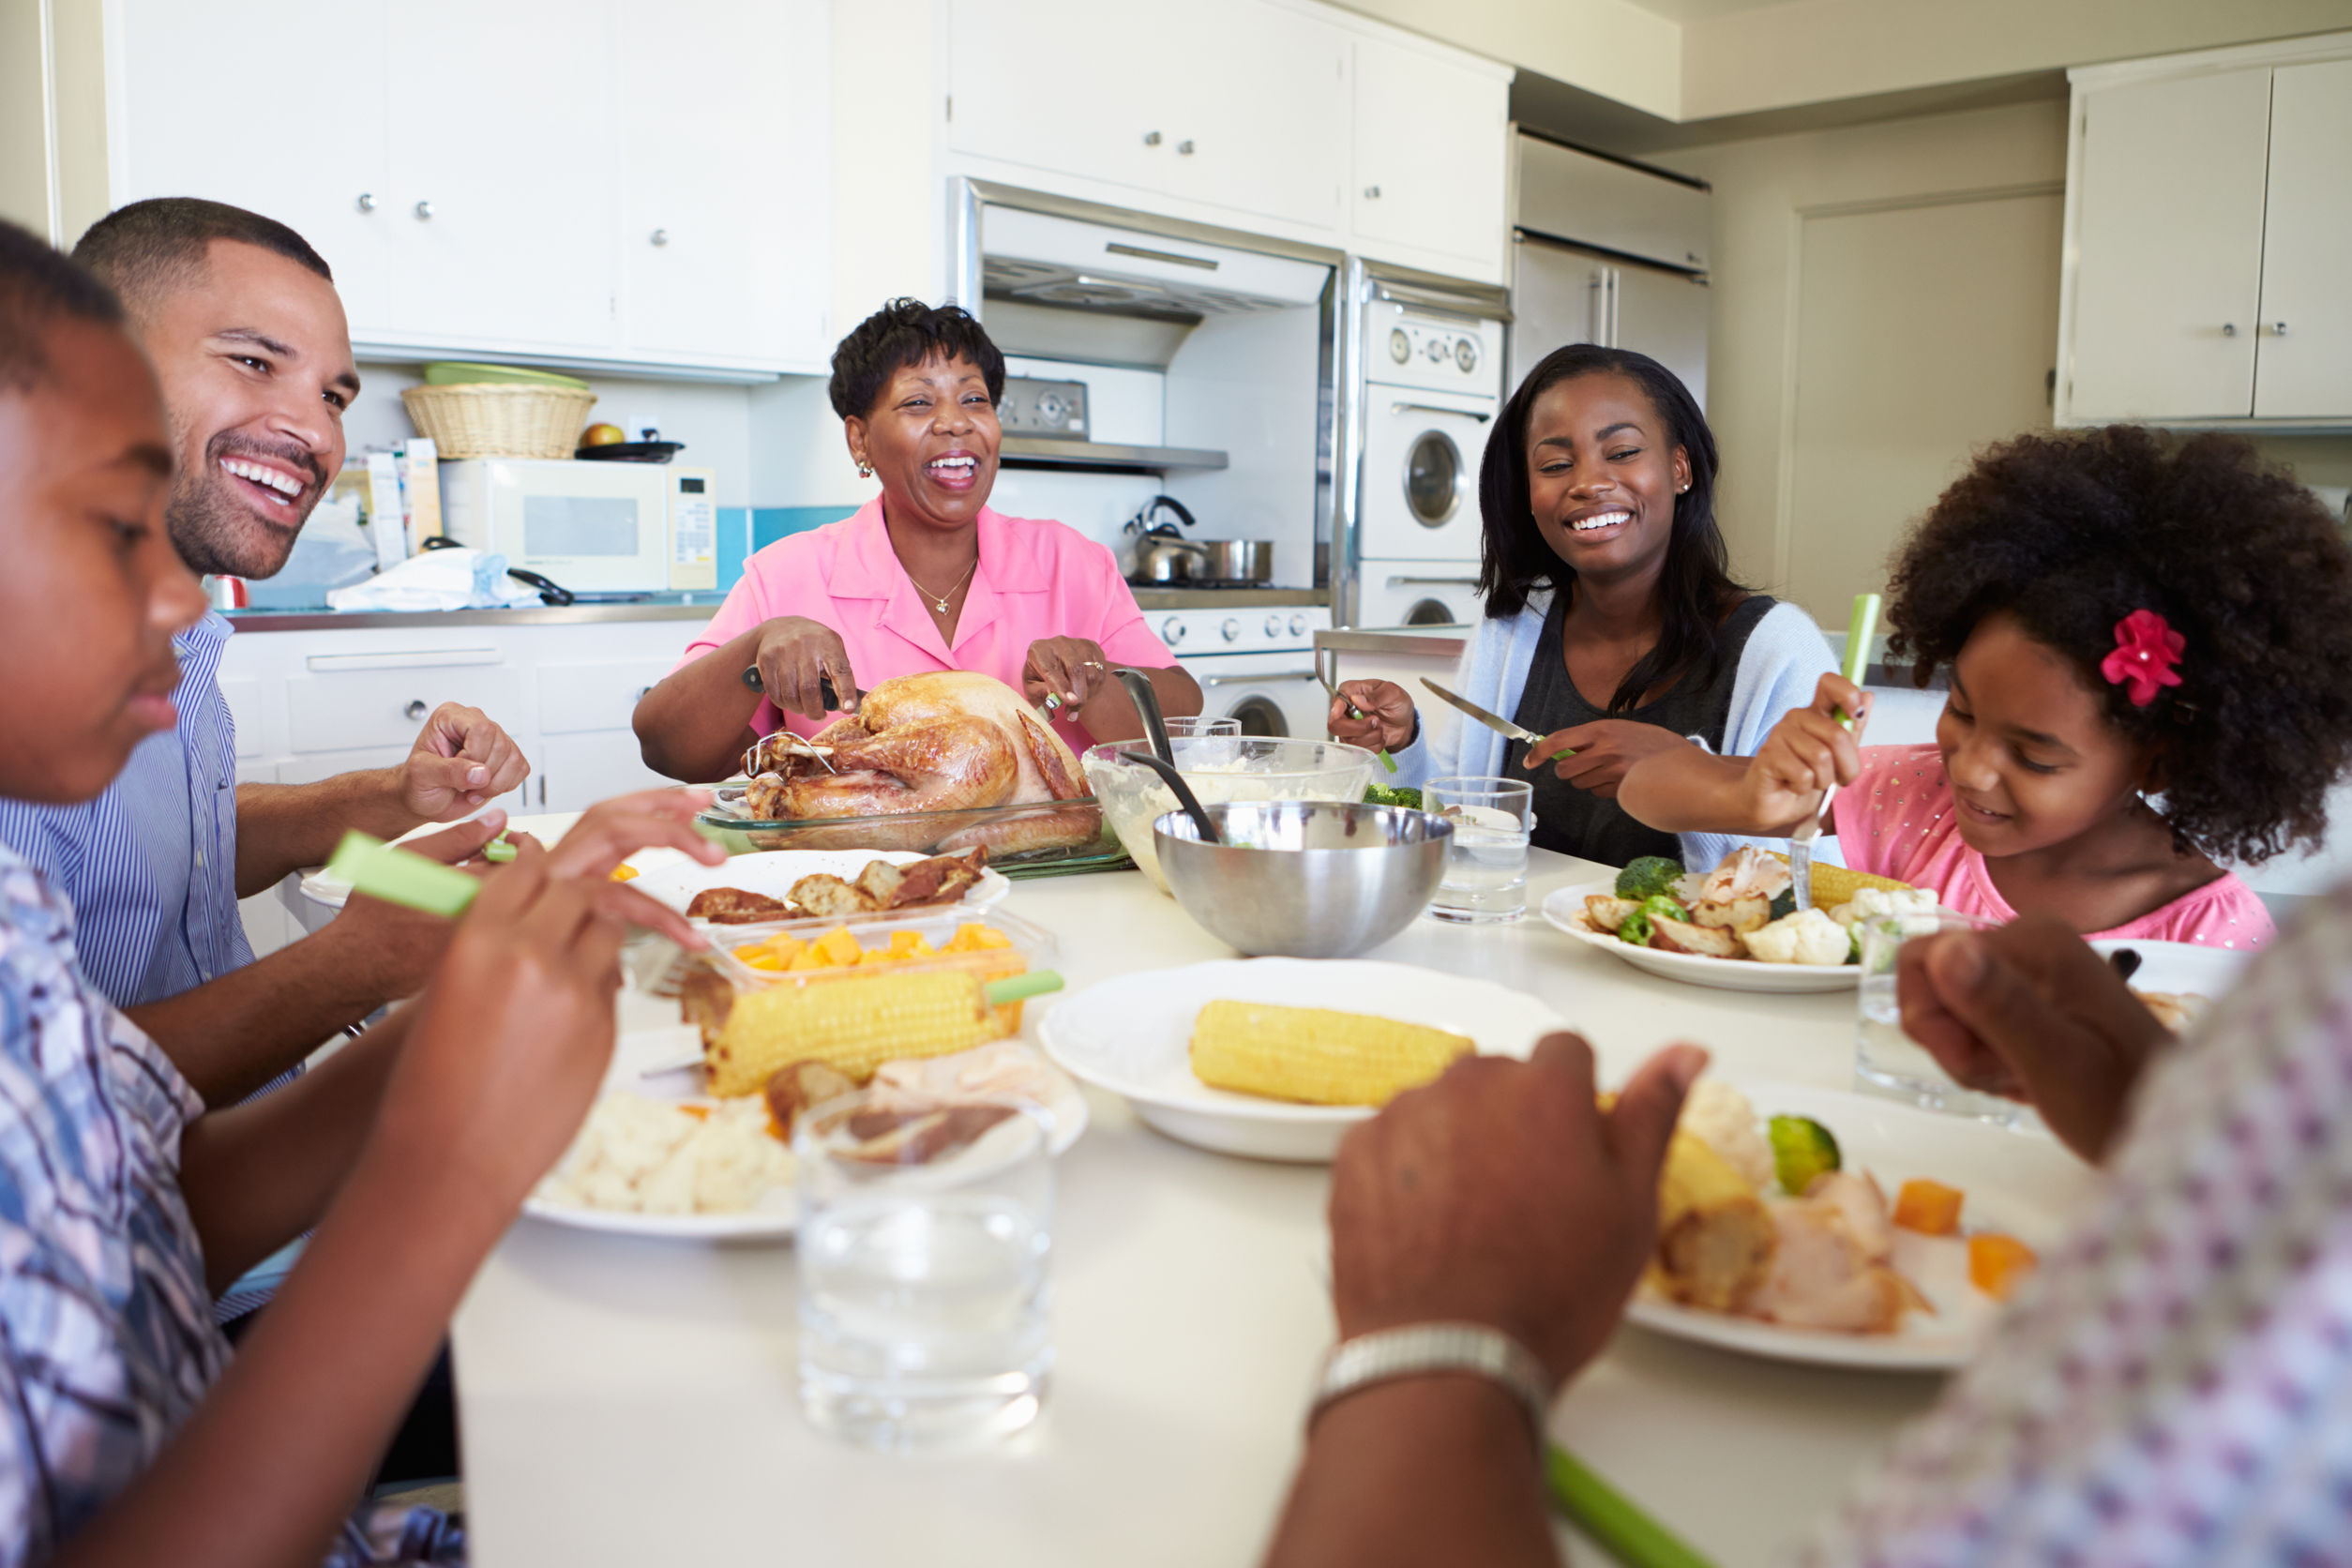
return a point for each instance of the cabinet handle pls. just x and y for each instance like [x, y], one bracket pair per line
[424, 210]
[2230, 329]
[1371, 192]
[661, 236]
[1150, 138]
[415, 711]
[2278, 329]
[367, 201]
[1184, 148]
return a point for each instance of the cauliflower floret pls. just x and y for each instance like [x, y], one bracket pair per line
[1720, 1117]
[1870, 901]
[1807, 937]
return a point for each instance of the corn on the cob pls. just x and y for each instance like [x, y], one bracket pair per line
[853, 1023]
[1315, 1054]
[1833, 886]
[1716, 1237]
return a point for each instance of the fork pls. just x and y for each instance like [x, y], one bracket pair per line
[1353, 712]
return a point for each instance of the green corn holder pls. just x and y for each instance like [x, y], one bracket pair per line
[1860, 633]
[399, 876]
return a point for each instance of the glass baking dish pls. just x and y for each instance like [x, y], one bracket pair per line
[1074, 827]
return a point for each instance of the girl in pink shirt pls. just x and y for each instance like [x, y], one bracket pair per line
[2148, 641]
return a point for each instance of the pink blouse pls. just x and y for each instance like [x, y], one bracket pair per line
[1035, 579]
[1897, 821]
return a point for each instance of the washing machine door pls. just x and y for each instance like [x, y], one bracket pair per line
[1436, 480]
[1419, 498]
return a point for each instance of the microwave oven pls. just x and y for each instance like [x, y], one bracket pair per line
[591, 527]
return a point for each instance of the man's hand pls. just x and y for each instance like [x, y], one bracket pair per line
[1502, 1195]
[2033, 1011]
[1604, 749]
[1389, 722]
[461, 762]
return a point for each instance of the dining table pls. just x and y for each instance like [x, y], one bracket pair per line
[631, 1401]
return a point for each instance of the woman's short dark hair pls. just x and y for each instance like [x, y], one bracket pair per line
[2071, 532]
[903, 333]
[1695, 588]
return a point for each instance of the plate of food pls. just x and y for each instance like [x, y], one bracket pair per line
[1841, 1230]
[1736, 928]
[1277, 1058]
[2177, 980]
[780, 886]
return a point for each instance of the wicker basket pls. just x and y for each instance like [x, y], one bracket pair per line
[495, 419]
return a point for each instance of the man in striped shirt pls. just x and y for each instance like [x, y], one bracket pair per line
[241, 320]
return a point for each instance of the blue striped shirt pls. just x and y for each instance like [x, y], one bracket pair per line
[150, 866]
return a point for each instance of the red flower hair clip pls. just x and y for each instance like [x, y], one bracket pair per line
[2146, 651]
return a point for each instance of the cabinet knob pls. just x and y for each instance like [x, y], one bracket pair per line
[367, 201]
[2278, 329]
[661, 236]
[415, 711]
[1150, 138]
[1371, 192]
[424, 209]
[2230, 329]
[1184, 148]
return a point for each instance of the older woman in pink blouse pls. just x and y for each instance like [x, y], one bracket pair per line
[925, 576]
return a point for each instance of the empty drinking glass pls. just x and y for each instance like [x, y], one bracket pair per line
[1485, 866]
[1889, 1062]
[1201, 724]
[924, 1239]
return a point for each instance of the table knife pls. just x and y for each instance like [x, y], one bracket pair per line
[1859, 630]
[1499, 726]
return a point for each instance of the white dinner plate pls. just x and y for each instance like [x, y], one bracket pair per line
[1133, 1036]
[2024, 1184]
[775, 1215]
[1564, 908]
[2181, 966]
[676, 880]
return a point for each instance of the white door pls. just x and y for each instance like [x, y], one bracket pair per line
[1262, 123]
[1432, 152]
[2168, 272]
[2304, 360]
[723, 138]
[277, 105]
[504, 197]
[1071, 86]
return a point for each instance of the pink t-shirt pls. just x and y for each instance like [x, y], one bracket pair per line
[1035, 579]
[1897, 821]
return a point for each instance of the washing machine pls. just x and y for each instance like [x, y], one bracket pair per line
[1432, 388]
[1417, 593]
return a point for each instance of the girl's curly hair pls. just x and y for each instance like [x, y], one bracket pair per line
[2070, 533]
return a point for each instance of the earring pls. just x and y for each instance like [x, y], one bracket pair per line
[864, 471]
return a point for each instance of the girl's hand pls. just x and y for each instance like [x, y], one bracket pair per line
[513, 1033]
[794, 655]
[611, 831]
[1604, 750]
[1068, 668]
[1389, 722]
[1808, 754]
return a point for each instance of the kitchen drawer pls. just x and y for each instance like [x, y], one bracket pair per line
[365, 704]
[573, 697]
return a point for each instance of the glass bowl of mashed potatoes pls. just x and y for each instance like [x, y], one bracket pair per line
[1219, 768]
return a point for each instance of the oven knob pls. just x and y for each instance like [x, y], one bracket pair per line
[1171, 631]
[1298, 626]
[1436, 351]
[1232, 628]
[1465, 356]
[1274, 626]
[1400, 348]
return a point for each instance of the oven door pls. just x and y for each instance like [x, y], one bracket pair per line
[1271, 694]
[1420, 491]
[1416, 594]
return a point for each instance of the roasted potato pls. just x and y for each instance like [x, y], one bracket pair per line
[1607, 913]
[1733, 915]
[1710, 941]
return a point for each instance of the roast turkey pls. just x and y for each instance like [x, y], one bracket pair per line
[948, 741]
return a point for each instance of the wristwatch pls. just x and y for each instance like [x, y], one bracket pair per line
[1418, 1350]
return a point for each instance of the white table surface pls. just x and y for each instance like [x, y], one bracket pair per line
[630, 1402]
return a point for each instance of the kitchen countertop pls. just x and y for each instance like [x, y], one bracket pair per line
[627, 1401]
[653, 607]
[1222, 598]
[1438, 642]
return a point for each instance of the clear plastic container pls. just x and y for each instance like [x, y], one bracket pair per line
[1220, 768]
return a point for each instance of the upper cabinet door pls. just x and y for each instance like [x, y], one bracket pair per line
[506, 196]
[1431, 145]
[2305, 365]
[724, 134]
[2168, 265]
[1068, 85]
[208, 108]
[1262, 125]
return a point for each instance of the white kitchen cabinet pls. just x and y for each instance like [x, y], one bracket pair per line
[1432, 149]
[486, 179]
[2304, 344]
[1262, 127]
[2209, 202]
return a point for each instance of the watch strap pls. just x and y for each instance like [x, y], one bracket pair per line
[1421, 1350]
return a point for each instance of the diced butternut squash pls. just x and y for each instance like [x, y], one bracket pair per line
[624, 873]
[1929, 1208]
[838, 947]
[1998, 1263]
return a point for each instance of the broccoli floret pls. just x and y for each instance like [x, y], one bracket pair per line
[1635, 929]
[1649, 874]
[1801, 1150]
[1383, 794]
[1785, 902]
[1659, 907]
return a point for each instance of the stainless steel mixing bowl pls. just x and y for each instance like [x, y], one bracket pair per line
[1305, 879]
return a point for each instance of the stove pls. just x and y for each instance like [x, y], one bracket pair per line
[1254, 662]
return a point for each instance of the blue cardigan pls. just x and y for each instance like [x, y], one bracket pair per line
[1784, 661]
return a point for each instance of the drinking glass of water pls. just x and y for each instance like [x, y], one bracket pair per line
[1195, 725]
[1485, 867]
[1889, 1062]
[924, 1293]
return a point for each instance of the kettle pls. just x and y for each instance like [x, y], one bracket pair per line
[1155, 551]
